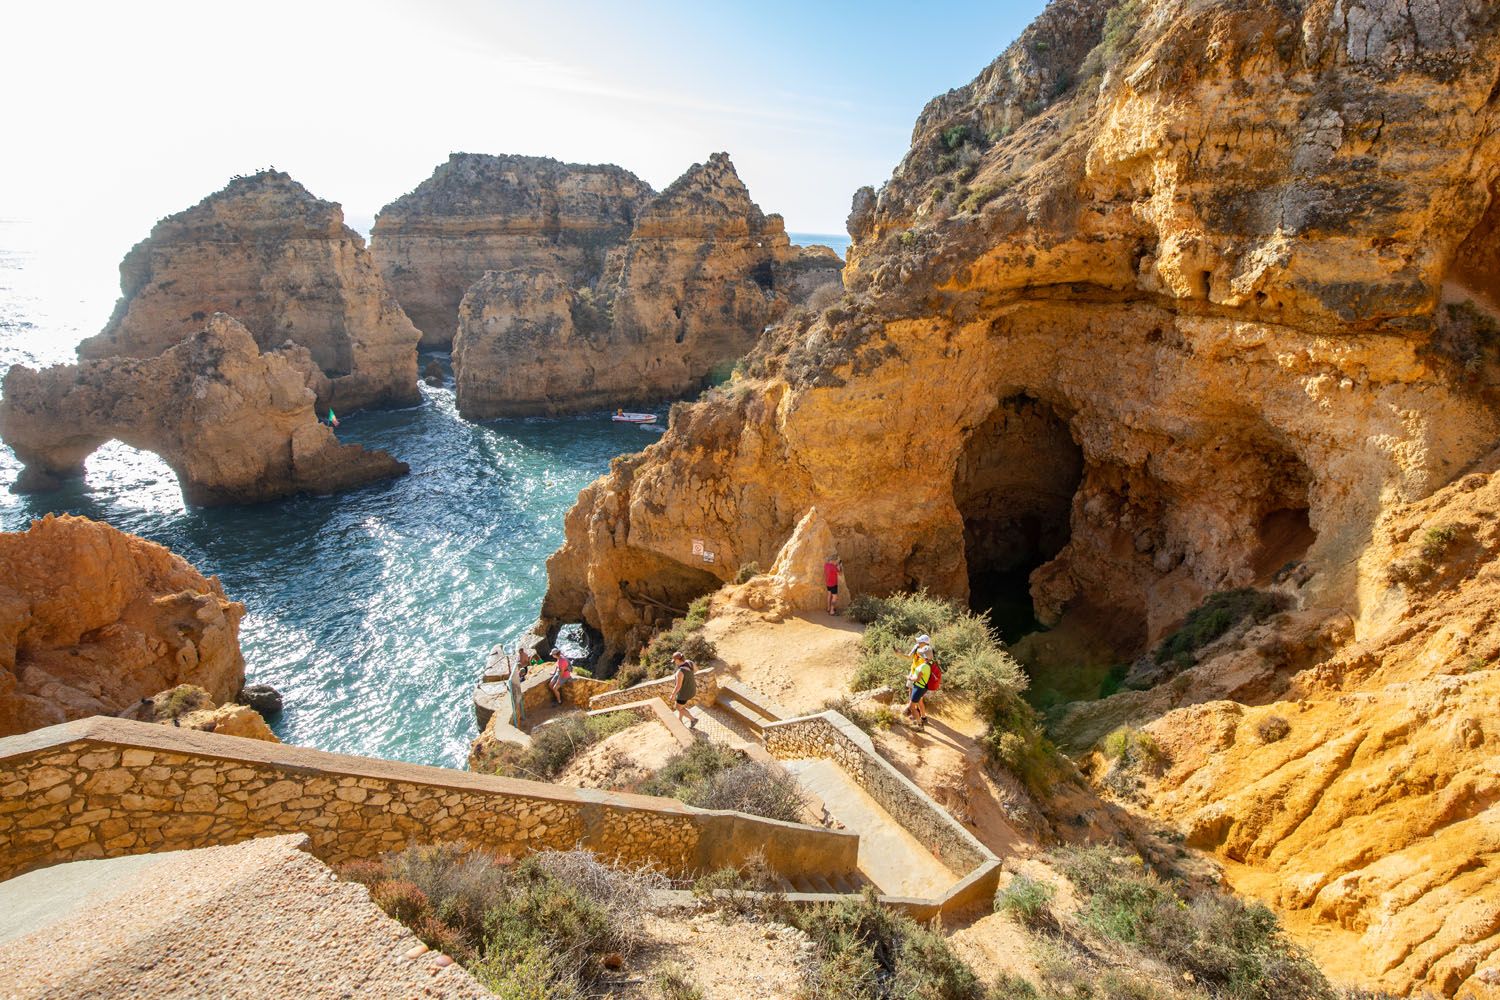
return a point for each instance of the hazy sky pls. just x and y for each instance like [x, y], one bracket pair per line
[118, 113]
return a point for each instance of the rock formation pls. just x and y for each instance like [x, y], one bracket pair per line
[236, 425]
[703, 272]
[92, 620]
[479, 213]
[795, 580]
[1172, 296]
[188, 706]
[283, 263]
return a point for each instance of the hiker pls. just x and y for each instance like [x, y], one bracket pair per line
[921, 672]
[513, 681]
[561, 674]
[832, 568]
[687, 686]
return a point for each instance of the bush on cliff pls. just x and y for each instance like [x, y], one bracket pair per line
[1215, 616]
[865, 951]
[686, 635]
[553, 746]
[539, 927]
[975, 667]
[712, 776]
[1231, 948]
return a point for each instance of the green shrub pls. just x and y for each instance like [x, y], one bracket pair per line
[1027, 901]
[400, 898]
[554, 745]
[1437, 541]
[1009, 986]
[697, 615]
[1216, 615]
[752, 888]
[748, 570]
[1120, 26]
[955, 136]
[1234, 949]
[691, 769]
[754, 788]
[1114, 680]
[864, 951]
[684, 636]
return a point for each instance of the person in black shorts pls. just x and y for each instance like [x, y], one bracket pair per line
[686, 687]
[833, 566]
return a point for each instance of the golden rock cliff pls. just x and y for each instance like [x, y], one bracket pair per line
[1171, 299]
[283, 263]
[235, 425]
[92, 620]
[703, 272]
[479, 213]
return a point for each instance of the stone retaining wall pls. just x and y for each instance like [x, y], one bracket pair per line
[106, 787]
[829, 735]
[708, 691]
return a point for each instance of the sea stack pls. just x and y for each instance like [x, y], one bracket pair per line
[702, 273]
[95, 620]
[479, 213]
[235, 424]
[280, 261]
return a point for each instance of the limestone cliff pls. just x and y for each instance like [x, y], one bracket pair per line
[236, 425]
[283, 263]
[703, 272]
[479, 213]
[92, 620]
[1175, 295]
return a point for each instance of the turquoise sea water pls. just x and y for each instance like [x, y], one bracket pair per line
[370, 611]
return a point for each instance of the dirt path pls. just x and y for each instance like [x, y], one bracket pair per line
[801, 662]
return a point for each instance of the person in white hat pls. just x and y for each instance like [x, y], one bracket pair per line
[921, 672]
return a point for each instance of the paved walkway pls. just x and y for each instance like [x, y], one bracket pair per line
[258, 919]
[888, 855]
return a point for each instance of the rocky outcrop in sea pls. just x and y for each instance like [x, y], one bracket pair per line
[236, 425]
[280, 261]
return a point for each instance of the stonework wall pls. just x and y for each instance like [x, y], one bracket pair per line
[708, 691]
[107, 787]
[829, 735]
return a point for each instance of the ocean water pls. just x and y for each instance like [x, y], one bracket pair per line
[370, 611]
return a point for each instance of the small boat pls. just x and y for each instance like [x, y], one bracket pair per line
[620, 416]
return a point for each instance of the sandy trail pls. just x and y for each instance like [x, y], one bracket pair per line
[802, 662]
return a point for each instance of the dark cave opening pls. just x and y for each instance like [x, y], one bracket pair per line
[1014, 488]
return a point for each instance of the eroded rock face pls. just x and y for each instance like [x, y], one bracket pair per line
[92, 620]
[283, 263]
[236, 425]
[479, 213]
[1201, 301]
[1296, 374]
[1359, 790]
[564, 313]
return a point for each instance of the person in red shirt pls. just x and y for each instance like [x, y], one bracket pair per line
[832, 568]
[561, 674]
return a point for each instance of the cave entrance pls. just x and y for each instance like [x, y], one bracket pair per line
[1014, 488]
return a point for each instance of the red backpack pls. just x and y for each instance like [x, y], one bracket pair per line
[935, 675]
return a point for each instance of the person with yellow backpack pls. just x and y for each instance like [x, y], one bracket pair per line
[920, 680]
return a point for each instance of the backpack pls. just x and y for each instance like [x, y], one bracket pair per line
[935, 675]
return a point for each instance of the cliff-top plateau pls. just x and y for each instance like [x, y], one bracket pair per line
[280, 261]
[1172, 299]
[564, 287]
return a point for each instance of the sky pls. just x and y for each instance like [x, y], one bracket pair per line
[117, 114]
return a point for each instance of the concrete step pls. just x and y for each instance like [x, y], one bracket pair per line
[744, 712]
[747, 695]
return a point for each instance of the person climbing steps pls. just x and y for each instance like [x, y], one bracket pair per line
[685, 689]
